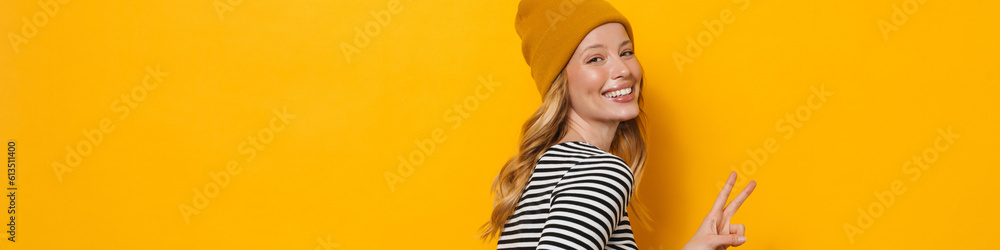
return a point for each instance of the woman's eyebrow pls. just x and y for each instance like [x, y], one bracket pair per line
[595, 46]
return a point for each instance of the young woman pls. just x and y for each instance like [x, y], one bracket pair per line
[582, 153]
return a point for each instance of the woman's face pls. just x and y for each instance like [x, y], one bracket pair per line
[603, 76]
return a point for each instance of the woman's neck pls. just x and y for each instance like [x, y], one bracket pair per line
[597, 133]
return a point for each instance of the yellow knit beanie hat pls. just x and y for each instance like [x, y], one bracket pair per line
[550, 31]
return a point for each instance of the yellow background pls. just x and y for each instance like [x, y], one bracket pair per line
[323, 176]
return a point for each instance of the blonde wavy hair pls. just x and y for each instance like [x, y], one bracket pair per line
[543, 130]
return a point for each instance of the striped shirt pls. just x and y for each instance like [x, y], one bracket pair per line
[576, 199]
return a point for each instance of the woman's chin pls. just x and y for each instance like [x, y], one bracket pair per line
[625, 114]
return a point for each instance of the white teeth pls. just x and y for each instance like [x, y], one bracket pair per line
[618, 93]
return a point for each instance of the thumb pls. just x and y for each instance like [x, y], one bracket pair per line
[726, 240]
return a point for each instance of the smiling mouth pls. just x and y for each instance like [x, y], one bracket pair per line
[618, 93]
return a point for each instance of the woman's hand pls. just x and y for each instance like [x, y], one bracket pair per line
[715, 231]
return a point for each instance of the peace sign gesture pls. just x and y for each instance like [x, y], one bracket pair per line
[715, 231]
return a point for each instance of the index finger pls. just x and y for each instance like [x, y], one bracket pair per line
[720, 202]
[740, 198]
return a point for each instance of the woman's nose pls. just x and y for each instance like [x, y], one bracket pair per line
[619, 69]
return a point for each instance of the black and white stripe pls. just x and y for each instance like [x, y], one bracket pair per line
[576, 199]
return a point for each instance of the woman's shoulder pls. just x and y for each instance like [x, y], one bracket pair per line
[579, 153]
[574, 148]
[586, 168]
[577, 149]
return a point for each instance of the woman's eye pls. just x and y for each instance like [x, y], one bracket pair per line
[595, 59]
[628, 53]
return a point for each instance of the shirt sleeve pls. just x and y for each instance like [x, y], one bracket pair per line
[587, 204]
